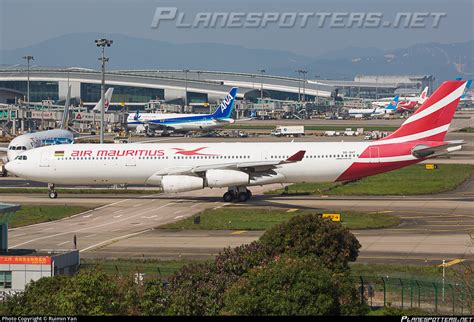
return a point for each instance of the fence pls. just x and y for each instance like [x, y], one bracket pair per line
[415, 294]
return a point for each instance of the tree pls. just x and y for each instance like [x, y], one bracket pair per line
[197, 289]
[90, 292]
[309, 235]
[292, 286]
[93, 292]
[154, 299]
[39, 298]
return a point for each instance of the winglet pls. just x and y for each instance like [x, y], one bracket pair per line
[298, 156]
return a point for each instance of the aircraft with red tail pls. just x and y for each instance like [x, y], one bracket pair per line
[180, 167]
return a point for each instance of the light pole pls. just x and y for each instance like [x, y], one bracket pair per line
[301, 71]
[299, 84]
[262, 71]
[304, 72]
[28, 58]
[103, 42]
[317, 93]
[185, 71]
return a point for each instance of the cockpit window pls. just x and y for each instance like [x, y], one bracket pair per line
[23, 148]
[21, 157]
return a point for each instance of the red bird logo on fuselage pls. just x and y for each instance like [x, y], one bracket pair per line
[192, 152]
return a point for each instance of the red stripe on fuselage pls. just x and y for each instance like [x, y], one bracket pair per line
[360, 170]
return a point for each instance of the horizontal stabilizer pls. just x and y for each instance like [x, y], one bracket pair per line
[424, 151]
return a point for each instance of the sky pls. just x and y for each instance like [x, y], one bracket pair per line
[25, 22]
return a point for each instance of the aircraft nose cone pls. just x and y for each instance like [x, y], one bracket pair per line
[8, 166]
[11, 167]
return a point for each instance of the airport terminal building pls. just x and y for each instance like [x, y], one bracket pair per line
[193, 87]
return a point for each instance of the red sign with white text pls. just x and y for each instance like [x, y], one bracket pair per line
[32, 260]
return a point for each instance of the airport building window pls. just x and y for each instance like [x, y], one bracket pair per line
[127, 94]
[5, 279]
[39, 90]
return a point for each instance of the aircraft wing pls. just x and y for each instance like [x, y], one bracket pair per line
[156, 126]
[226, 121]
[250, 166]
[244, 120]
[424, 151]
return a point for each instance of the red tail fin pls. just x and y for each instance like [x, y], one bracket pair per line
[431, 121]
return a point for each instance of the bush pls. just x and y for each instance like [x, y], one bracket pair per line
[292, 286]
[91, 292]
[155, 298]
[309, 235]
[39, 298]
[197, 289]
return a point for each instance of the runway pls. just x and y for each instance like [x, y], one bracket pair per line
[113, 217]
[433, 227]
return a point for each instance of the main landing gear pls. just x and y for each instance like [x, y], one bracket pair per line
[52, 193]
[239, 194]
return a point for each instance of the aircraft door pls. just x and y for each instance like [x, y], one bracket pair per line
[374, 154]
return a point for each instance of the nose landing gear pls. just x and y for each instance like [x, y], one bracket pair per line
[52, 193]
[239, 194]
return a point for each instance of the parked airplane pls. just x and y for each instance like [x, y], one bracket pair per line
[410, 104]
[29, 141]
[406, 104]
[108, 98]
[180, 167]
[187, 122]
[377, 111]
[33, 140]
[389, 109]
[467, 96]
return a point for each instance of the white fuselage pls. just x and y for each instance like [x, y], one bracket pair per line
[34, 140]
[179, 122]
[139, 163]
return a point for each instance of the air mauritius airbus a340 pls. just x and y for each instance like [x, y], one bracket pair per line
[186, 167]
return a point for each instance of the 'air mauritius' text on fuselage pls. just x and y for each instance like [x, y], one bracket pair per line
[118, 153]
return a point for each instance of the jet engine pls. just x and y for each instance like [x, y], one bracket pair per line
[226, 178]
[179, 183]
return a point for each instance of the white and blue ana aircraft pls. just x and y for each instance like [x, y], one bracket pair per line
[34, 140]
[187, 122]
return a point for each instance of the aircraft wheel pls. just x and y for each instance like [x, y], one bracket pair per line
[228, 196]
[243, 197]
[249, 194]
[53, 194]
